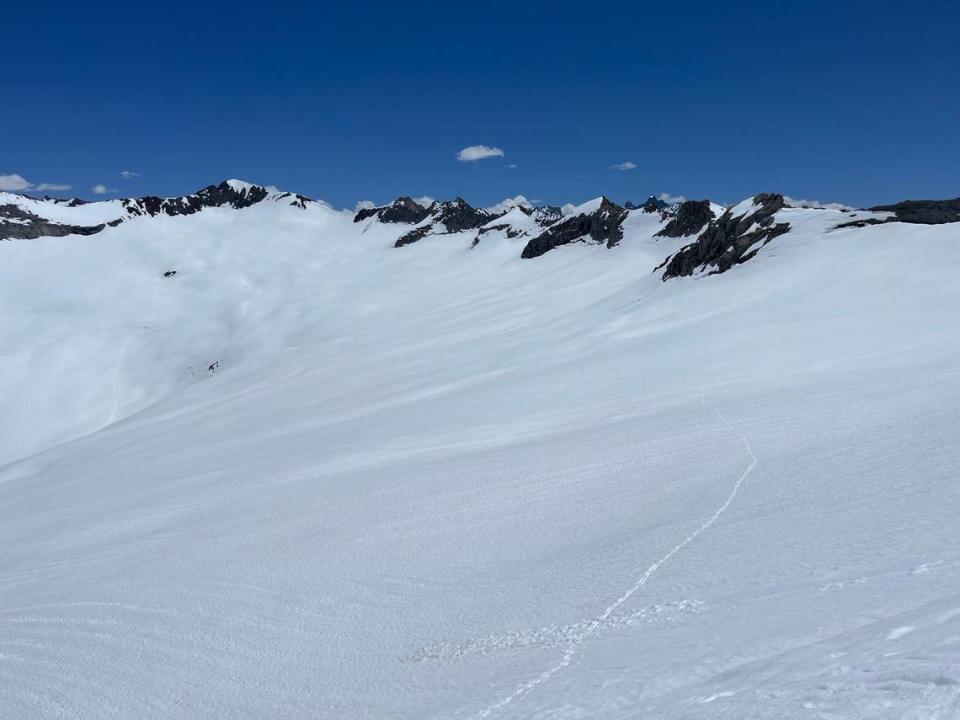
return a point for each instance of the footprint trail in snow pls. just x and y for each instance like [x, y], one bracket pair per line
[589, 629]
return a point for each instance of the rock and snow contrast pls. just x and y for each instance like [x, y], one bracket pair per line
[263, 458]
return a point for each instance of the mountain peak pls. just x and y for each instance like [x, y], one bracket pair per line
[597, 222]
[239, 185]
[402, 210]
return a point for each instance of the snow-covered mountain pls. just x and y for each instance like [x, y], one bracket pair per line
[23, 217]
[263, 458]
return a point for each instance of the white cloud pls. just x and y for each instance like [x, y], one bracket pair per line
[509, 204]
[478, 152]
[672, 199]
[796, 202]
[15, 183]
[628, 165]
[567, 209]
[424, 201]
[511, 166]
[129, 174]
[364, 205]
[101, 189]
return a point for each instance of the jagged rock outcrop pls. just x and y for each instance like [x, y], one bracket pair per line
[71, 202]
[547, 214]
[920, 212]
[690, 218]
[458, 215]
[650, 205]
[402, 210]
[230, 193]
[445, 218]
[508, 229]
[733, 238]
[418, 233]
[599, 222]
[924, 212]
[520, 221]
[19, 224]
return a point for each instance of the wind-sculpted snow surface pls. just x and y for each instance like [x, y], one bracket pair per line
[258, 462]
[587, 631]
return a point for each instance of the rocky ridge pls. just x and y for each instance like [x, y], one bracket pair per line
[402, 210]
[18, 223]
[689, 218]
[733, 238]
[446, 218]
[722, 239]
[595, 225]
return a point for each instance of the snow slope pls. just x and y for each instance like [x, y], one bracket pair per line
[444, 482]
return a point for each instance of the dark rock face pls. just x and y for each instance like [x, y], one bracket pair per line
[458, 215]
[924, 212]
[226, 194]
[72, 202]
[510, 231]
[863, 223]
[298, 200]
[921, 212]
[547, 215]
[418, 233]
[401, 210]
[210, 196]
[602, 226]
[690, 218]
[650, 205]
[730, 240]
[543, 217]
[19, 224]
[446, 218]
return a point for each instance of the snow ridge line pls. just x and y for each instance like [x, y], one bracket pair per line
[574, 642]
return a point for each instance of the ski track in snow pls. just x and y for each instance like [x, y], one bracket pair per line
[550, 636]
[591, 628]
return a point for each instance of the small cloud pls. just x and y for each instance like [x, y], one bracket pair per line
[101, 189]
[567, 209]
[364, 205]
[478, 152]
[129, 174]
[797, 202]
[511, 166]
[508, 204]
[672, 199]
[624, 166]
[424, 201]
[15, 183]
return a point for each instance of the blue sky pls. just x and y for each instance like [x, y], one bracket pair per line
[857, 102]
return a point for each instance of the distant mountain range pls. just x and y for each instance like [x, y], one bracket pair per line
[719, 237]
